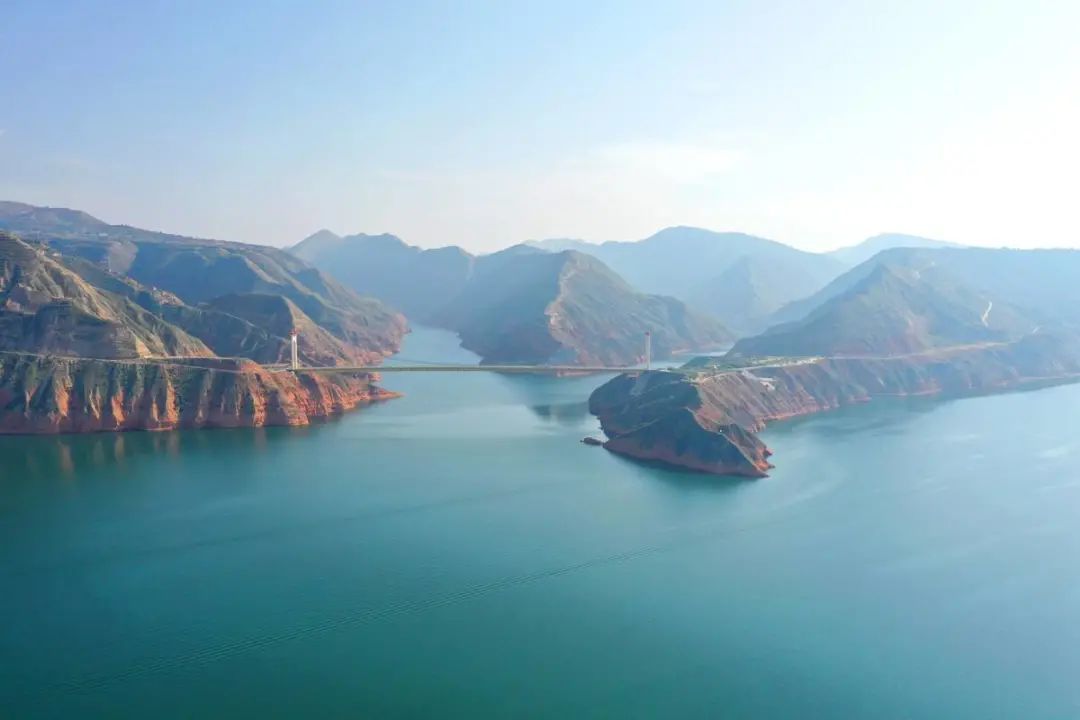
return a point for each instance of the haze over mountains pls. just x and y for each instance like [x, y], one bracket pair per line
[562, 301]
[416, 281]
[861, 252]
[522, 304]
[739, 279]
[895, 309]
[1042, 283]
[568, 307]
[736, 277]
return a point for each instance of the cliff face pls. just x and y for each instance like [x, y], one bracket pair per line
[706, 420]
[54, 395]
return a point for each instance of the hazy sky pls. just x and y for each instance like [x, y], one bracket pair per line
[486, 124]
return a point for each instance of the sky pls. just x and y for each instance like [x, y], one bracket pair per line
[486, 124]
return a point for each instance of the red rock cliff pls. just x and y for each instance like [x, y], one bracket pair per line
[52, 395]
[707, 420]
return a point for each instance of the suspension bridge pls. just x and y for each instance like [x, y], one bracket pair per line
[418, 366]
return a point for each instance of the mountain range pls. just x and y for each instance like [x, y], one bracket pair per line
[519, 305]
[740, 279]
[417, 282]
[748, 283]
[856, 254]
[212, 288]
[896, 308]
[1041, 283]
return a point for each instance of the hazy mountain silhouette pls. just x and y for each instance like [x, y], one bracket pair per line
[896, 308]
[739, 278]
[856, 254]
[521, 304]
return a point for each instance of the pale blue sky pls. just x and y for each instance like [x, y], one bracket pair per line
[486, 124]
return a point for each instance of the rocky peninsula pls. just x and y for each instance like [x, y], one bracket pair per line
[707, 418]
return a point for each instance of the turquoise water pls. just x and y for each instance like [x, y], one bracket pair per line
[459, 553]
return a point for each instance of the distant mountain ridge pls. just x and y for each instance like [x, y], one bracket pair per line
[701, 267]
[894, 309]
[861, 252]
[1040, 283]
[521, 304]
[568, 307]
[414, 280]
[742, 279]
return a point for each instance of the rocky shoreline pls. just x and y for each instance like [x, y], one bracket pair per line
[48, 395]
[707, 420]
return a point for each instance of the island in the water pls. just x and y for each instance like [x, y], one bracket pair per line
[925, 322]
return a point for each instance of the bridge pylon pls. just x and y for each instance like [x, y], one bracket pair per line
[294, 359]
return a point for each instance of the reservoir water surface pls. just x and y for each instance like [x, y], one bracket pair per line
[459, 553]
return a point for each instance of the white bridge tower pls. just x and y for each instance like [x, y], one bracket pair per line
[294, 360]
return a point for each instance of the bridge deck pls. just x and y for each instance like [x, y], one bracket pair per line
[549, 369]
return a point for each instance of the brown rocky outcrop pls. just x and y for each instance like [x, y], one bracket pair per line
[85, 349]
[41, 394]
[706, 419]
